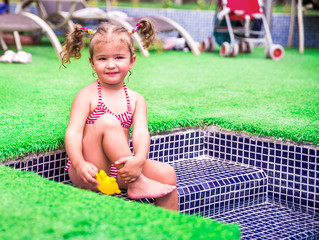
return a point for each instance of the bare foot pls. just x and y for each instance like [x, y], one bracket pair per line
[144, 187]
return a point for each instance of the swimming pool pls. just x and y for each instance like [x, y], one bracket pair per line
[271, 188]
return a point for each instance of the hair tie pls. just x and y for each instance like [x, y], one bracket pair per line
[89, 31]
[138, 25]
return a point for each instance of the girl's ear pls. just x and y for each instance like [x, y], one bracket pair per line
[92, 64]
[132, 62]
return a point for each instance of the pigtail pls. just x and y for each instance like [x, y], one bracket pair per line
[73, 44]
[148, 33]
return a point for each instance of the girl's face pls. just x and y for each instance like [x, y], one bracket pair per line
[111, 62]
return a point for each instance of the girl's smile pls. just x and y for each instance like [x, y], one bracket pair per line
[111, 74]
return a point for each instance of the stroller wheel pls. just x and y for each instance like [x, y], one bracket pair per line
[205, 44]
[242, 47]
[250, 47]
[234, 50]
[224, 49]
[246, 47]
[274, 51]
[208, 45]
[212, 45]
[267, 53]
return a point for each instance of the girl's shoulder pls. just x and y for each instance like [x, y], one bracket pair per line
[136, 99]
[134, 96]
[89, 89]
[87, 93]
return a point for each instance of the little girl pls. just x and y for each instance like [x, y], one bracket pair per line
[102, 113]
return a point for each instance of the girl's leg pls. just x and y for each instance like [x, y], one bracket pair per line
[115, 146]
[165, 174]
[104, 143]
[93, 151]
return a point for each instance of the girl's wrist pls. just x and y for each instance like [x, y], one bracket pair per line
[77, 163]
[140, 159]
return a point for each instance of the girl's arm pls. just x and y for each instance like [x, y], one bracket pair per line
[74, 135]
[141, 143]
[140, 135]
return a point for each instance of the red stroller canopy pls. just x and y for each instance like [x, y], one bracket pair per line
[244, 7]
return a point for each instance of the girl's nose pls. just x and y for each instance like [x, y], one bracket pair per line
[110, 64]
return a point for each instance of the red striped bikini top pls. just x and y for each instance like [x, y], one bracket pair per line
[124, 118]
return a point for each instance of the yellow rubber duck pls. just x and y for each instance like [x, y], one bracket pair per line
[107, 185]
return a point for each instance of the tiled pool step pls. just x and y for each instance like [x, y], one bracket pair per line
[269, 221]
[207, 186]
[218, 187]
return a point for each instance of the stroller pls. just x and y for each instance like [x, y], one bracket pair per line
[238, 25]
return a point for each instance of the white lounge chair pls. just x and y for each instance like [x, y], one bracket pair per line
[26, 22]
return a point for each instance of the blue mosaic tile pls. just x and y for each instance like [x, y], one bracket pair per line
[276, 157]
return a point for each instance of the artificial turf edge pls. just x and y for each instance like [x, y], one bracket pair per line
[36, 208]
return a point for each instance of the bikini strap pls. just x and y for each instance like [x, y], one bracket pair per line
[127, 96]
[99, 90]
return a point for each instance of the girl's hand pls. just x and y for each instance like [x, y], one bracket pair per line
[131, 168]
[86, 171]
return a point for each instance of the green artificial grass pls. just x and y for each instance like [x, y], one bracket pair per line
[248, 93]
[36, 208]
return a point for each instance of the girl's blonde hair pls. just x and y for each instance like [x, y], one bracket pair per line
[106, 32]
